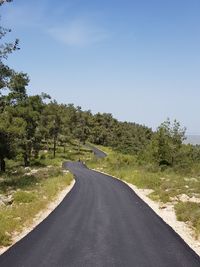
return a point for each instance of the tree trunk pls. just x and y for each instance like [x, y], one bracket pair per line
[47, 143]
[79, 146]
[36, 154]
[79, 149]
[54, 147]
[26, 160]
[64, 149]
[172, 161]
[2, 165]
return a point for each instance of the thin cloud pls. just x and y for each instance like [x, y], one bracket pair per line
[72, 32]
[78, 33]
[23, 15]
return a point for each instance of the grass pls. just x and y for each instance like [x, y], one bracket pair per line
[31, 197]
[189, 212]
[24, 197]
[168, 186]
[33, 189]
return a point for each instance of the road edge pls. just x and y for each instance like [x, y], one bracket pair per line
[40, 217]
[178, 228]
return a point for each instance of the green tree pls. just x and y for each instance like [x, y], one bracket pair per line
[11, 129]
[167, 142]
[53, 123]
[5, 50]
[81, 131]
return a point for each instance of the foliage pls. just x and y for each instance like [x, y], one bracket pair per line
[166, 146]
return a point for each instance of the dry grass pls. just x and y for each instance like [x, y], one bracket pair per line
[29, 200]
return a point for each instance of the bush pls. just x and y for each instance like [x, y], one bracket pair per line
[43, 156]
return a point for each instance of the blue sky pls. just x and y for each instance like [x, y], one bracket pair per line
[137, 59]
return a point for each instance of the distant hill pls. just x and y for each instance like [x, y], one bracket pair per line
[193, 139]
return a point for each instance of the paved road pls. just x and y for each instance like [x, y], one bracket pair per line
[101, 223]
[97, 152]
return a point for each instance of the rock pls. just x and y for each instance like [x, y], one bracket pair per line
[49, 166]
[195, 199]
[2, 203]
[184, 198]
[34, 171]
[162, 206]
[7, 200]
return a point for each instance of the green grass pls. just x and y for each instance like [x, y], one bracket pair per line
[72, 154]
[24, 197]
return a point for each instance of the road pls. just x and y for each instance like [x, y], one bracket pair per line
[100, 223]
[97, 152]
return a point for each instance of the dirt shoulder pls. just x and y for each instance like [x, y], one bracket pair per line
[167, 213]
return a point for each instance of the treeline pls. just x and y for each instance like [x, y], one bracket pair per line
[167, 149]
[29, 124]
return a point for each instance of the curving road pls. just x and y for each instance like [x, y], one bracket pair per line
[101, 222]
[97, 152]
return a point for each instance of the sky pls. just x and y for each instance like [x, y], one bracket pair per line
[136, 59]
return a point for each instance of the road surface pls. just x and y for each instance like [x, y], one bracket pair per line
[97, 152]
[100, 223]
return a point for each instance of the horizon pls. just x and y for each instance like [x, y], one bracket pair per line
[138, 61]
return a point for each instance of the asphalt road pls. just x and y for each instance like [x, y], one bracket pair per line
[100, 223]
[97, 152]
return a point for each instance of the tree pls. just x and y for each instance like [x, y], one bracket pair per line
[81, 130]
[167, 143]
[11, 129]
[5, 50]
[31, 111]
[53, 123]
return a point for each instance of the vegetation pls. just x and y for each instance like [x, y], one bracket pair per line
[189, 212]
[33, 194]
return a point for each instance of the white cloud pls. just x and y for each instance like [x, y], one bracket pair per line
[78, 33]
